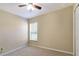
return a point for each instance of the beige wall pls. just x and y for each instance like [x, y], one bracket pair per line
[13, 31]
[55, 29]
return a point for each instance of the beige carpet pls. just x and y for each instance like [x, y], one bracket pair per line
[34, 51]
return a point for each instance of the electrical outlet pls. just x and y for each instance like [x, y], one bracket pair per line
[1, 50]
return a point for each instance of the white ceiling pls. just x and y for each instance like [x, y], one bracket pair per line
[23, 12]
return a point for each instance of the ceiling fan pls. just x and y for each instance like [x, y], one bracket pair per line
[31, 6]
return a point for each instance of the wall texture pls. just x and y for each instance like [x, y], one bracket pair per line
[13, 31]
[55, 29]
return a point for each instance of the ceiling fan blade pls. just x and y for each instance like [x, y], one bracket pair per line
[34, 5]
[21, 5]
[38, 7]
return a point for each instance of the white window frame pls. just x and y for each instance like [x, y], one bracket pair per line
[36, 31]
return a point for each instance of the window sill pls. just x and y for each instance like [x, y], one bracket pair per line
[34, 40]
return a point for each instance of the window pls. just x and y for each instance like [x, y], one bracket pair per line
[33, 31]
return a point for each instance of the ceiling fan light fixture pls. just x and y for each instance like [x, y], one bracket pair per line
[30, 7]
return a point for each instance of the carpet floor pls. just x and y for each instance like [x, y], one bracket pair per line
[35, 51]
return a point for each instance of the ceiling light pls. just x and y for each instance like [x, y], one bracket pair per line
[30, 7]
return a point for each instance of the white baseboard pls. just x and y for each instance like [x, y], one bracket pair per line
[54, 49]
[13, 50]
